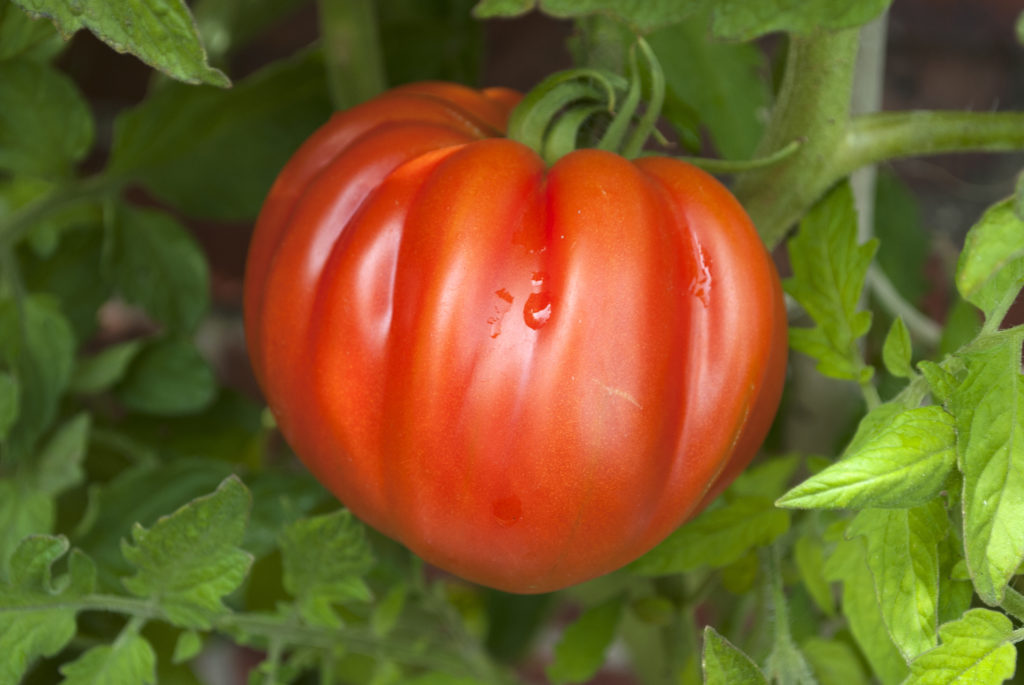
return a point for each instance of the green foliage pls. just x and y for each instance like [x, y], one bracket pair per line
[149, 514]
[829, 269]
[159, 32]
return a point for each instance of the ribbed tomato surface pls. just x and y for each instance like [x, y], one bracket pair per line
[529, 375]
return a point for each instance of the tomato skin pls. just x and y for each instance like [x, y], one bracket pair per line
[528, 375]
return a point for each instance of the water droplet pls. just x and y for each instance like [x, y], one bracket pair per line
[501, 307]
[701, 283]
[537, 281]
[508, 511]
[537, 310]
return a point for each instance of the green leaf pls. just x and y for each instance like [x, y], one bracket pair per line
[897, 350]
[188, 646]
[325, 558]
[104, 369]
[862, 611]
[412, 30]
[749, 19]
[580, 652]
[829, 269]
[156, 264]
[722, 82]
[902, 465]
[766, 478]
[159, 32]
[9, 403]
[834, 662]
[23, 36]
[941, 382]
[388, 610]
[130, 659]
[905, 244]
[58, 466]
[975, 649]
[716, 538]
[724, 664]
[989, 410]
[45, 622]
[990, 270]
[903, 555]
[809, 555]
[38, 346]
[23, 511]
[213, 153]
[190, 559]
[142, 493]
[45, 124]
[168, 378]
[642, 15]
[70, 268]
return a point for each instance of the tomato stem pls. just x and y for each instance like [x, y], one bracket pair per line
[352, 52]
[551, 117]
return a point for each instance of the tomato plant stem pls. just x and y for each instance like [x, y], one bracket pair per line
[889, 135]
[352, 51]
[813, 105]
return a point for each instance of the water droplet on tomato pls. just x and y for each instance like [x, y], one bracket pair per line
[501, 308]
[537, 310]
[701, 283]
[508, 511]
[537, 281]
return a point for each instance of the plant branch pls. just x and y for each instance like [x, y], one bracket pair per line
[352, 51]
[813, 106]
[889, 135]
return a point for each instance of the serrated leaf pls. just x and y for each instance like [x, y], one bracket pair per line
[58, 466]
[325, 558]
[904, 464]
[39, 349]
[104, 369]
[45, 124]
[130, 659]
[833, 662]
[642, 15]
[829, 269]
[716, 538]
[193, 147]
[580, 652]
[23, 511]
[189, 560]
[991, 265]
[897, 350]
[989, 410]
[142, 493]
[749, 19]
[722, 82]
[863, 613]
[9, 401]
[29, 628]
[156, 264]
[724, 664]
[161, 33]
[975, 649]
[168, 378]
[25, 37]
[903, 556]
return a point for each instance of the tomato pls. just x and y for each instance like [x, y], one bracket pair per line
[527, 375]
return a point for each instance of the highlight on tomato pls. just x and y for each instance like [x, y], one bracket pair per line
[526, 362]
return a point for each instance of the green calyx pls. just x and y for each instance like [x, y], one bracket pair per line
[593, 108]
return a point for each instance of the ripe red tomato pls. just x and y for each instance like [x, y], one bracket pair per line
[528, 375]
